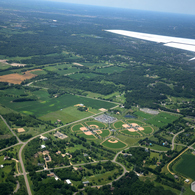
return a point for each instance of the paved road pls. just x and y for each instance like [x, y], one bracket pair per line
[173, 140]
[17, 187]
[11, 130]
[10, 147]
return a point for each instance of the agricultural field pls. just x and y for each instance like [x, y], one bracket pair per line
[143, 115]
[47, 105]
[62, 69]
[185, 166]
[113, 143]
[162, 119]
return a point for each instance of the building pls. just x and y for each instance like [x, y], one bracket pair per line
[193, 186]
[43, 146]
[85, 183]
[50, 175]
[68, 182]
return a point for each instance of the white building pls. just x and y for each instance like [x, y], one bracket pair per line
[68, 182]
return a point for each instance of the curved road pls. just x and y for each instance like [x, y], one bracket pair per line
[173, 140]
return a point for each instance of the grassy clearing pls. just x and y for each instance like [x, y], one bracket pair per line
[4, 131]
[158, 147]
[162, 119]
[185, 166]
[143, 115]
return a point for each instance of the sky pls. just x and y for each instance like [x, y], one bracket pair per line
[173, 6]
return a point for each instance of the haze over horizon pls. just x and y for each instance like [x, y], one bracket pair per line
[171, 6]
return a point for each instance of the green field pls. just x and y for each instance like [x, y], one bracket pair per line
[118, 124]
[45, 105]
[104, 133]
[78, 76]
[147, 130]
[162, 119]
[130, 133]
[143, 115]
[87, 136]
[185, 166]
[4, 131]
[62, 69]
[110, 69]
[76, 127]
[117, 145]
[100, 125]
[135, 121]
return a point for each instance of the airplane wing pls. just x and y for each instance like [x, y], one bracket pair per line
[176, 42]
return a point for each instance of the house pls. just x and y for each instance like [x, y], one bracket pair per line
[6, 158]
[40, 164]
[85, 183]
[176, 177]
[85, 155]
[47, 158]
[187, 180]
[68, 182]
[56, 178]
[50, 175]
[1, 166]
[43, 146]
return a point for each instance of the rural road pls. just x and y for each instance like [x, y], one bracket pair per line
[173, 140]
[20, 142]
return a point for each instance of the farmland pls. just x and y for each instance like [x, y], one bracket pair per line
[185, 166]
[162, 119]
[47, 105]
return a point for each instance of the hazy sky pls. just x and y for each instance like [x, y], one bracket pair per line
[175, 6]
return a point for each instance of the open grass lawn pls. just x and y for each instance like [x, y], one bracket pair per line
[118, 145]
[130, 133]
[158, 147]
[76, 127]
[86, 136]
[143, 115]
[135, 121]
[185, 166]
[110, 69]
[48, 105]
[105, 133]
[147, 130]
[162, 119]
[118, 124]
[99, 124]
